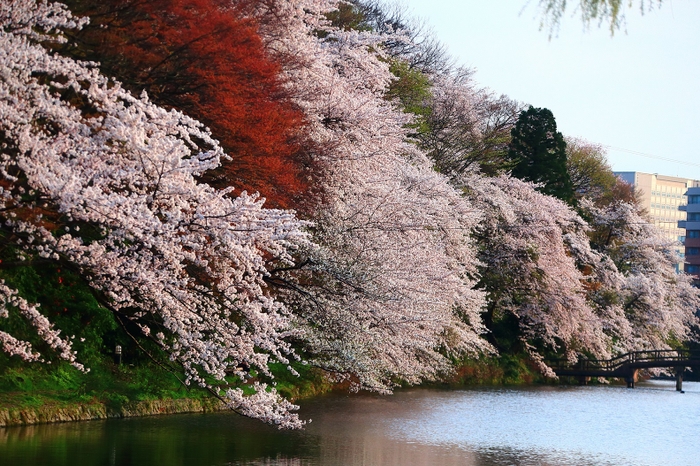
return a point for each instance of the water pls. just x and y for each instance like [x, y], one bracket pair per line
[544, 426]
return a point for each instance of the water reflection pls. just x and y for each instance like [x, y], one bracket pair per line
[545, 426]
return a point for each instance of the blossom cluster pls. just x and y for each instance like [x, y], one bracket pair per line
[184, 261]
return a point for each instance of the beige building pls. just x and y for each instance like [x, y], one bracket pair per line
[662, 196]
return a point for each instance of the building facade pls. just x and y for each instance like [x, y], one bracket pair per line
[665, 199]
[692, 230]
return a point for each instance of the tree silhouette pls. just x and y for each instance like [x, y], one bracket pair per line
[538, 153]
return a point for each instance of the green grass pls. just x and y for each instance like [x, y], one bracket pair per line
[33, 385]
[310, 382]
[505, 369]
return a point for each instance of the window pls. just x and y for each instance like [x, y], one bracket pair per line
[692, 251]
[692, 268]
[694, 199]
[692, 234]
[694, 216]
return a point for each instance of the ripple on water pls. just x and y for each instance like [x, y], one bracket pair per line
[649, 425]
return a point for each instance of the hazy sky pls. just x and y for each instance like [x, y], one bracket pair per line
[637, 92]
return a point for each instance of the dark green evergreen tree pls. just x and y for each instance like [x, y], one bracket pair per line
[538, 153]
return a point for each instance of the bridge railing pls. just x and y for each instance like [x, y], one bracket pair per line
[627, 358]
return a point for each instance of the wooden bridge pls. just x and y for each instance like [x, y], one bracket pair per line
[627, 366]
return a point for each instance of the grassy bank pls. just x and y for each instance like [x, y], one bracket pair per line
[35, 393]
[505, 369]
[31, 394]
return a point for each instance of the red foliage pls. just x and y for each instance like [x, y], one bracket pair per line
[202, 57]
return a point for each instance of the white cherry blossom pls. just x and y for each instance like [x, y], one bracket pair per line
[184, 261]
[389, 289]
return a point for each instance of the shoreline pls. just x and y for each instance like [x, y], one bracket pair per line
[72, 412]
[60, 412]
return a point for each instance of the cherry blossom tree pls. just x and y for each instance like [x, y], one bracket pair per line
[104, 182]
[461, 126]
[468, 128]
[659, 304]
[416, 44]
[532, 248]
[388, 293]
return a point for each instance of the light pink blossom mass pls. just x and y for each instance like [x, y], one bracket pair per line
[184, 261]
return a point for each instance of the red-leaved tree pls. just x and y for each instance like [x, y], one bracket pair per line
[203, 58]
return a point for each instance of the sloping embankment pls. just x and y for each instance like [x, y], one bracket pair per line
[90, 411]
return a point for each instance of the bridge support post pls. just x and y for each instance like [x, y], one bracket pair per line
[631, 377]
[679, 378]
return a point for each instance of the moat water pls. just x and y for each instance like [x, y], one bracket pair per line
[544, 426]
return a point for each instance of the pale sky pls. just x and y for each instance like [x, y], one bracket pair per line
[637, 92]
